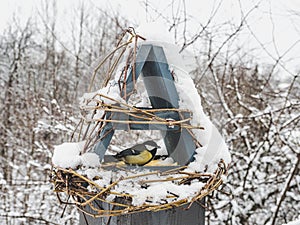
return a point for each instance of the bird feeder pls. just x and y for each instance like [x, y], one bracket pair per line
[151, 62]
[103, 198]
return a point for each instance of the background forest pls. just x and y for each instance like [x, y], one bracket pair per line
[257, 108]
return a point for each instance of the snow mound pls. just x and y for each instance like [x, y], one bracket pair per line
[295, 222]
[68, 155]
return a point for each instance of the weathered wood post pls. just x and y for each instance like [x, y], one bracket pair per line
[177, 216]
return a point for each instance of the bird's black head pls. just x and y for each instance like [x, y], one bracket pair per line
[153, 152]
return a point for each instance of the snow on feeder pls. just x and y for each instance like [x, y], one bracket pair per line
[196, 157]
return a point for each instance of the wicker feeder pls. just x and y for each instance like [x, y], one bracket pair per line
[86, 192]
[99, 195]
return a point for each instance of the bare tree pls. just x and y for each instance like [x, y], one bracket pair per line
[257, 111]
[42, 75]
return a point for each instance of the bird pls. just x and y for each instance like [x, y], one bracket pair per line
[138, 155]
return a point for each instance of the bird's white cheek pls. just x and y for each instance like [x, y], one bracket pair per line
[148, 146]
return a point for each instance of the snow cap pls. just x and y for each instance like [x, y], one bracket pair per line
[68, 155]
[155, 31]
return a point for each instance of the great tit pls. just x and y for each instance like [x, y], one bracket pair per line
[139, 154]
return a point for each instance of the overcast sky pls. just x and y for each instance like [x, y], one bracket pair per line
[274, 23]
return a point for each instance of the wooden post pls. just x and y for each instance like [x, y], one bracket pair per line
[176, 216]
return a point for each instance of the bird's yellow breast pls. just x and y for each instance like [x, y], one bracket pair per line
[139, 159]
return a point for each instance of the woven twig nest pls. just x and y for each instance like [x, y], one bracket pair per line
[111, 189]
[106, 200]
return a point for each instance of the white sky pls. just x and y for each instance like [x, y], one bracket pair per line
[274, 22]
